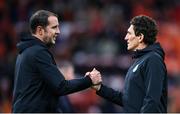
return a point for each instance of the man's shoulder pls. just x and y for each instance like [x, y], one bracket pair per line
[38, 48]
[35, 50]
[154, 56]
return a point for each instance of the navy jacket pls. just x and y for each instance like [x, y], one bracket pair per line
[38, 82]
[64, 105]
[145, 87]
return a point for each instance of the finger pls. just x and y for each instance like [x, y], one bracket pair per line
[87, 73]
[97, 73]
[94, 69]
[93, 73]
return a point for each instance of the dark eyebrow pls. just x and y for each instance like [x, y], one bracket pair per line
[55, 26]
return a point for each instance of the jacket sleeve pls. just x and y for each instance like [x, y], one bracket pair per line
[110, 94]
[154, 75]
[53, 77]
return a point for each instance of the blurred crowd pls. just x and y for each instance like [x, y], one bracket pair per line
[92, 35]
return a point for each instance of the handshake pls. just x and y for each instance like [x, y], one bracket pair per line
[96, 78]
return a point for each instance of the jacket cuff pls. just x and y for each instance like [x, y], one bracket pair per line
[88, 80]
[100, 91]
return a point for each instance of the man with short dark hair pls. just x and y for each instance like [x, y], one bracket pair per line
[145, 87]
[38, 82]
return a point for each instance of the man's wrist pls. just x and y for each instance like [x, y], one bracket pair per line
[98, 87]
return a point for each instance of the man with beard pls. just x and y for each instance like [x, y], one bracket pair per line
[38, 83]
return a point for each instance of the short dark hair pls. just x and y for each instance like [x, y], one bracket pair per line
[40, 18]
[147, 26]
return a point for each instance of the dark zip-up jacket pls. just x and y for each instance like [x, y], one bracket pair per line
[145, 87]
[38, 82]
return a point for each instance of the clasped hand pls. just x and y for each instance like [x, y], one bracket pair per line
[96, 78]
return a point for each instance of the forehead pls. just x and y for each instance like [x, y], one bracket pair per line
[53, 20]
[131, 28]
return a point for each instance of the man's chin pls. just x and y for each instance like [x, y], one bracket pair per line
[50, 44]
[130, 49]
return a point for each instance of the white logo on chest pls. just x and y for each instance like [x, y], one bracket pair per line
[135, 68]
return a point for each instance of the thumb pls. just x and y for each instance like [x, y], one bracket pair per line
[87, 73]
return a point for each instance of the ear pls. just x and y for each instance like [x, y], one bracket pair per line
[141, 38]
[40, 30]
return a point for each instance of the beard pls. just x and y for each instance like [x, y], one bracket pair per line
[49, 42]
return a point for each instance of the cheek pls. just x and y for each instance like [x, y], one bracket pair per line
[53, 32]
[50, 32]
[131, 38]
[133, 41]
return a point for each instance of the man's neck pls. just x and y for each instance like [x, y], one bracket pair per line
[37, 36]
[141, 46]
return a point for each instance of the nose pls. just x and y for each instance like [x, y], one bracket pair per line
[126, 37]
[58, 31]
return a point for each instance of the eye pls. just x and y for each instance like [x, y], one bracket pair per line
[54, 27]
[128, 33]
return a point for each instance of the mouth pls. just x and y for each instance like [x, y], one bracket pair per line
[55, 37]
